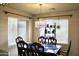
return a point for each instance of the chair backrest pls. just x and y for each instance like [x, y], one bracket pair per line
[25, 49]
[33, 50]
[36, 48]
[19, 38]
[42, 39]
[68, 48]
[52, 40]
[22, 48]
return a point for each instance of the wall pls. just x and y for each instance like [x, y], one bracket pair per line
[3, 31]
[73, 29]
[4, 26]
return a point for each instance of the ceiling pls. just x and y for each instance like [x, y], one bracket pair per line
[34, 8]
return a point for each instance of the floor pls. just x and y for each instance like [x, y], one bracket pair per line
[3, 53]
[13, 51]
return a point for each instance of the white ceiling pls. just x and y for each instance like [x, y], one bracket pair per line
[34, 8]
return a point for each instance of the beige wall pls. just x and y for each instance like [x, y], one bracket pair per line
[3, 31]
[73, 29]
[4, 26]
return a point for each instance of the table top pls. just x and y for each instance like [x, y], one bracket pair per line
[51, 48]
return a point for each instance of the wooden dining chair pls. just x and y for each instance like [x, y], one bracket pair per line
[65, 52]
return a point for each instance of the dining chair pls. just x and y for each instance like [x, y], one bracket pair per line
[42, 39]
[36, 48]
[32, 51]
[22, 46]
[19, 38]
[25, 49]
[65, 52]
[68, 48]
[52, 40]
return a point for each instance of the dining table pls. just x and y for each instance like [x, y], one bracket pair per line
[49, 48]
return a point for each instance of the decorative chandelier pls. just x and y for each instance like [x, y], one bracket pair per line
[39, 23]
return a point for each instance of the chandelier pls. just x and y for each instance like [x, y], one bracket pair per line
[40, 23]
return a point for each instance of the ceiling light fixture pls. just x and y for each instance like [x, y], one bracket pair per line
[40, 8]
[39, 23]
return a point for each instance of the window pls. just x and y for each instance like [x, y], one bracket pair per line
[17, 27]
[62, 33]
[22, 29]
[12, 30]
[56, 28]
